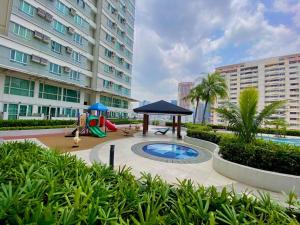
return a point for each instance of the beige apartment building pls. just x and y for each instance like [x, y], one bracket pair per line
[184, 89]
[276, 78]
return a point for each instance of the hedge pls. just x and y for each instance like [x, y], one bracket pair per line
[42, 187]
[125, 121]
[35, 128]
[34, 123]
[263, 155]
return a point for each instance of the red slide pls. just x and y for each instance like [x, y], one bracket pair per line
[110, 125]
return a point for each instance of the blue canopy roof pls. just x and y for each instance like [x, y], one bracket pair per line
[98, 107]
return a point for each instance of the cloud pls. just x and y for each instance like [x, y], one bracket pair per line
[177, 42]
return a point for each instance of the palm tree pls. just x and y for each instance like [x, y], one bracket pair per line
[244, 118]
[194, 96]
[210, 88]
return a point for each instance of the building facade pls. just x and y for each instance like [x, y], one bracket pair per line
[57, 57]
[184, 89]
[276, 78]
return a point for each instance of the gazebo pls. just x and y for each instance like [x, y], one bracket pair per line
[163, 107]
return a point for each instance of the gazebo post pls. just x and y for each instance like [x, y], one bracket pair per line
[145, 125]
[148, 122]
[179, 127]
[173, 124]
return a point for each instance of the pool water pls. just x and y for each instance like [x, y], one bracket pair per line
[291, 141]
[171, 151]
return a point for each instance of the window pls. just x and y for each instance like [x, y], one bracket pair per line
[21, 31]
[106, 68]
[71, 96]
[75, 75]
[16, 86]
[54, 68]
[26, 8]
[79, 20]
[108, 53]
[56, 47]
[49, 92]
[61, 7]
[77, 38]
[81, 3]
[59, 27]
[76, 57]
[128, 66]
[18, 57]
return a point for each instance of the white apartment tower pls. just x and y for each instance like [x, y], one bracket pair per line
[276, 78]
[57, 57]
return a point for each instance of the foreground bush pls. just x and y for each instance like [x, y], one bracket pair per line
[34, 123]
[264, 155]
[43, 187]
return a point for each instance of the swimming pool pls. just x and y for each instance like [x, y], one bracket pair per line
[171, 152]
[291, 141]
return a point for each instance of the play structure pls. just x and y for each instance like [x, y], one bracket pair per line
[91, 123]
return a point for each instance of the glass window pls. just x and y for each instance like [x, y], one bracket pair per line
[16, 86]
[49, 92]
[75, 75]
[77, 38]
[56, 47]
[56, 69]
[12, 111]
[71, 95]
[61, 7]
[19, 57]
[80, 21]
[59, 27]
[26, 8]
[21, 31]
[76, 57]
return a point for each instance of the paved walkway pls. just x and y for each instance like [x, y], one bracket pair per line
[200, 173]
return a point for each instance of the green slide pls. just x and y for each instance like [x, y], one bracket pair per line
[97, 132]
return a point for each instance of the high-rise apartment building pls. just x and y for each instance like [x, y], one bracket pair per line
[57, 57]
[184, 89]
[276, 78]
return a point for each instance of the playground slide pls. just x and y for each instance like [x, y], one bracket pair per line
[97, 132]
[110, 125]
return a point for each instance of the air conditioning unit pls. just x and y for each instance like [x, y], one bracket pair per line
[122, 60]
[46, 39]
[35, 58]
[49, 17]
[113, 54]
[43, 61]
[113, 40]
[115, 12]
[67, 69]
[111, 69]
[72, 12]
[38, 35]
[69, 50]
[40, 12]
[114, 25]
[71, 30]
[122, 46]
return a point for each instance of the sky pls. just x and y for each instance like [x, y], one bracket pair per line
[180, 40]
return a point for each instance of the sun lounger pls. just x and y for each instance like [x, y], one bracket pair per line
[162, 131]
[127, 132]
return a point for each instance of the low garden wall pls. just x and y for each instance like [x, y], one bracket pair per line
[272, 181]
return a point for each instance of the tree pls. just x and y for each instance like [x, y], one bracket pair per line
[244, 118]
[210, 88]
[280, 125]
[194, 96]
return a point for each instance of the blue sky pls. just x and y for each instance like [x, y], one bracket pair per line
[178, 40]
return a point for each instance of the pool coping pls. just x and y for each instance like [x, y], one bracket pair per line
[203, 156]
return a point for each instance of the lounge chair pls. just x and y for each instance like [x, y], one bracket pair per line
[162, 131]
[127, 132]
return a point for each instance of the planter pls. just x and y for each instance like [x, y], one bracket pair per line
[268, 180]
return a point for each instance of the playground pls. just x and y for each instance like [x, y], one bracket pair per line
[93, 128]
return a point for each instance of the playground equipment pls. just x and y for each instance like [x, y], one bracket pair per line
[89, 124]
[92, 124]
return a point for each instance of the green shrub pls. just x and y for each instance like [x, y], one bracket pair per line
[125, 121]
[38, 127]
[204, 135]
[34, 123]
[42, 187]
[264, 155]
[155, 122]
[197, 127]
